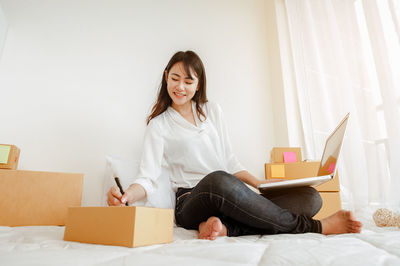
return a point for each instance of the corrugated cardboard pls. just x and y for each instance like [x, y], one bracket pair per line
[277, 153]
[301, 170]
[330, 204]
[37, 198]
[120, 226]
[13, 157]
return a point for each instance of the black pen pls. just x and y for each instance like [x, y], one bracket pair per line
[120, 187]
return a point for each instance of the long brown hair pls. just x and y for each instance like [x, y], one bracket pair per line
[190, 61]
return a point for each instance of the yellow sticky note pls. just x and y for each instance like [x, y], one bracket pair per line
[277, 171]
[4, 152]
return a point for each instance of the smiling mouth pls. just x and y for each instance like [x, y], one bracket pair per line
[179, 94]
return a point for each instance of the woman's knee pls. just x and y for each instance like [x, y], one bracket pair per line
[218, 180]
[314, 200]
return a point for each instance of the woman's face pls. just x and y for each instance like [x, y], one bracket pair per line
[181, 87]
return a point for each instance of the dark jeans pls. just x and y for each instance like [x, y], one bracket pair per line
[245, 212]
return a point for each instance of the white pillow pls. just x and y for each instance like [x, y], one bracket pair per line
[126, 170]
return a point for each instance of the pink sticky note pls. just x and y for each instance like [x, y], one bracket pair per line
[331, 167]
[289, 157]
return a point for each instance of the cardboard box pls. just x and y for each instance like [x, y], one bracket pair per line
[300, 170]
[37, 198]
[331, 203]
[277, 154]
[9, 156]
[120, 226]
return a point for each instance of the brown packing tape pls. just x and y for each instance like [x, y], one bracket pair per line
[302, 170]
[37, 198]
[121, 226]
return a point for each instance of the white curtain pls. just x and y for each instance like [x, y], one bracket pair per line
[342, 56]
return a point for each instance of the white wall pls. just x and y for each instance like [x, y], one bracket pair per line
[3, 30]
[77, 78]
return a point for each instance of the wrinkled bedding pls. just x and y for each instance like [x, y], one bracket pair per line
[43, 245]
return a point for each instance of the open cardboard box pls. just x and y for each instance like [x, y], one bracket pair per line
[121, 226]
[37, 198]
[300, 170]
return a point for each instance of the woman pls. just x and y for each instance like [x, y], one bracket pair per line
[188, 133]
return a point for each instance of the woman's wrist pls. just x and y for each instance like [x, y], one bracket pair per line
[130, 194]
[257, 182]
[135, 192]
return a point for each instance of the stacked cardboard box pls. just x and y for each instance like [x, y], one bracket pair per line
[286, 164]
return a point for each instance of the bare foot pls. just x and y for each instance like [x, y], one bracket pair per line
[212, 228]
[341, 222]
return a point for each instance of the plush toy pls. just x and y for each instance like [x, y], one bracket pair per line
[385, 217]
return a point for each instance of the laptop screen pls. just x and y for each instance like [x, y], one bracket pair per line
[332, 149]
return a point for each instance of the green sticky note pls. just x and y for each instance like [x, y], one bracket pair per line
[4, 152]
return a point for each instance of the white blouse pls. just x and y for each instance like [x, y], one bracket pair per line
[190, 152]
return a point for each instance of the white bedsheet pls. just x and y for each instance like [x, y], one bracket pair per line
[43, 245]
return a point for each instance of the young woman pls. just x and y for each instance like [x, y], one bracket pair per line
[188, 133]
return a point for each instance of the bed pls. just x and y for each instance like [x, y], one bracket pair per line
[43, 245]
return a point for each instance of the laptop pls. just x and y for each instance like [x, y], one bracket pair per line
[327, 169]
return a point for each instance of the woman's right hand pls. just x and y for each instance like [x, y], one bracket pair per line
[115, 198]
[133, 193]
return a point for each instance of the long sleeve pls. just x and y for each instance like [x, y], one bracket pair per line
[232, 163]
[150, 165]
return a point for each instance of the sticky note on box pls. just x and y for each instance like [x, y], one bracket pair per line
[277, 171]
[4, 153]
[277, 154]
[331, 168]
[289, 157]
